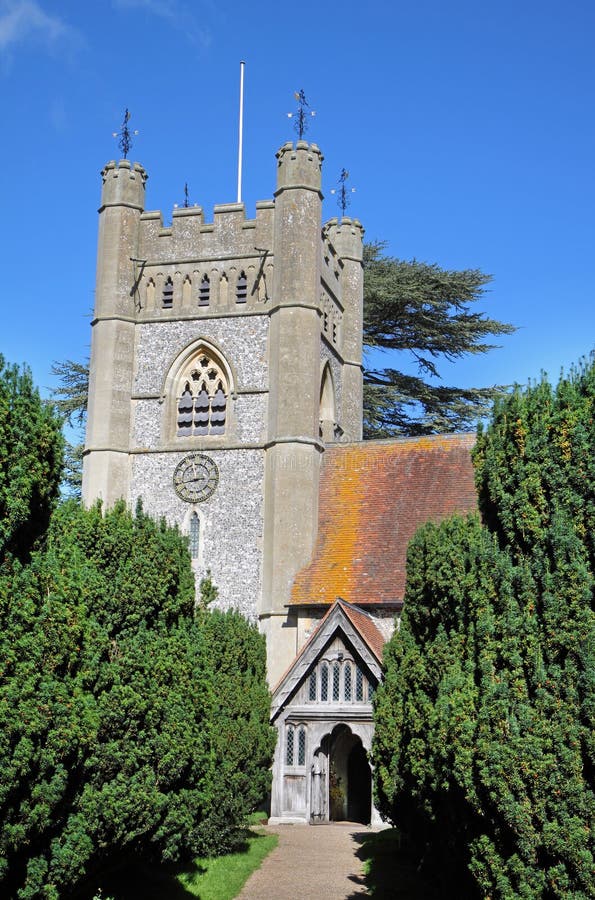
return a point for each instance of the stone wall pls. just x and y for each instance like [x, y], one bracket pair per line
[231, 519]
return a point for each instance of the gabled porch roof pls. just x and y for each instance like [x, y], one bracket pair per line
[358, 629]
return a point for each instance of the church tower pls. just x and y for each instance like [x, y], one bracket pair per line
[226, 356]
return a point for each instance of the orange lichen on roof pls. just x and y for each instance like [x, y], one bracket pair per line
[366, 627]
[373, 497]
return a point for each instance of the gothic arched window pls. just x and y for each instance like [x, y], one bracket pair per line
[202, 397]
[312, 685]
[359, 684]
[301, 746]
[194, 535]
[336, 677]
[289, 745]
[324, 681]
[347, 681]
[295, 745]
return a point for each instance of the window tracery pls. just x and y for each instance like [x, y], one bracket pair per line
[202, 398]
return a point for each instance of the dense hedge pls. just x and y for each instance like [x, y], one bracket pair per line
[31, 448]
[484, 742]
[127, 724]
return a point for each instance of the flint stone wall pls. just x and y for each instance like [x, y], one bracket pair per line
[231, 520]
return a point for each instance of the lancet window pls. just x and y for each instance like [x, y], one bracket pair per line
[194, 535]
[202, 398]
[324, 681]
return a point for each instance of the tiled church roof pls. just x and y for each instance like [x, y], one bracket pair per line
[366, 627]
[373, 497]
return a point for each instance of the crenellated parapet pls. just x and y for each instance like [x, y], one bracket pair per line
[345, 236]
[123, 185]
[189, 237]
[299, 167]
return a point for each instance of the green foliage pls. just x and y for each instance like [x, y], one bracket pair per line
[30, 461]
[484, 742]
[425, 312]
[109, 693]
[71, 398]
[207, 591]
[73, 391]
[242, 740]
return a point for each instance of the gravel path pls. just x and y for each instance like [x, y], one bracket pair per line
[311, 862]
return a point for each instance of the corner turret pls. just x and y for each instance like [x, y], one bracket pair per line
[123, 185]
[294, 447]
[299, 166]
[112, 340]
[346, 236]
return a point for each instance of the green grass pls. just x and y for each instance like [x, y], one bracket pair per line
[223, 878]
[219, 878]
[389, 871]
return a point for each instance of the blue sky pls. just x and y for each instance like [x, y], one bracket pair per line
[467, 129]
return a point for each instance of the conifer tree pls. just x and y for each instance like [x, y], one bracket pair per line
[112, 738]
[484, 744]
[425, 312]
[30, 461]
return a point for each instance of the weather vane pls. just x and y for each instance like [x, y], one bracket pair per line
[343, 192]
[186, 202]
[301, 116]
[125, 135]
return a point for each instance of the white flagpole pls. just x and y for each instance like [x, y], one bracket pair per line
[241, 132]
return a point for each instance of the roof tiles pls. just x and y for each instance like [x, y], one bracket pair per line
[373, 497]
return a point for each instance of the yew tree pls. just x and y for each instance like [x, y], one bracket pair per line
[31, 447]
[484, 745]
[113, 741]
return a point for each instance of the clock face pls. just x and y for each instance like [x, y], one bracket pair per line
[196, 477]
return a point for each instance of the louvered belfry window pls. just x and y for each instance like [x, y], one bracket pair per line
[204, 291]
[202, 398]
[242, 288]
[167, 297]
